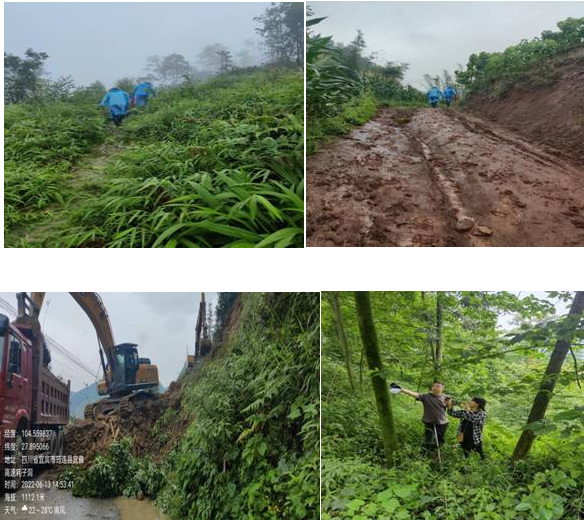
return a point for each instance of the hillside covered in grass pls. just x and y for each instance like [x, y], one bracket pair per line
[240, 438]
[213, 164]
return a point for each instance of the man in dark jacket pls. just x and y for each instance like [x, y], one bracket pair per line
[434, 418]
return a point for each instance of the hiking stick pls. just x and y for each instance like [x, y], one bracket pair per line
[437, 445]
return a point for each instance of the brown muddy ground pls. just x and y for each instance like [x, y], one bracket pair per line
[433, 177]
[44, 502]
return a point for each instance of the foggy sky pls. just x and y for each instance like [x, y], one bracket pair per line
[108, 41]
[162, 324]
[432, 36]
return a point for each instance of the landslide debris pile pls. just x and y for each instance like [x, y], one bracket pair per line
[145, 424]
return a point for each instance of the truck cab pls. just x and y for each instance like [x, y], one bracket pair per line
[31, 396]
[15, 380]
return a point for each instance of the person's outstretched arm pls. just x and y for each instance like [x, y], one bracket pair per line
[411, 393]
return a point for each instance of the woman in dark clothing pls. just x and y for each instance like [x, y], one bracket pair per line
[470, 430]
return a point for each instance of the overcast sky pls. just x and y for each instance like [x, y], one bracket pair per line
[432, 36]
[107, 41]
[162, 324]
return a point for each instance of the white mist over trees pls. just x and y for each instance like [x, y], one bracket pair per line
[280, 42]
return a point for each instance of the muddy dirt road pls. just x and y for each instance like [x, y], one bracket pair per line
[433, 177]
[50, 503]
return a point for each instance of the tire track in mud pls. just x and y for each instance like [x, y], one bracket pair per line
[441, 178]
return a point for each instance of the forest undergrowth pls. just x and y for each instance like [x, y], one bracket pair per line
[358, 482]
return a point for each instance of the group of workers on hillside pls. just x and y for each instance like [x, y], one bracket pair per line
[119, 102]
[435, 95]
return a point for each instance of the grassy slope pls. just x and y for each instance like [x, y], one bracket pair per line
[218, 164]
[323, 130]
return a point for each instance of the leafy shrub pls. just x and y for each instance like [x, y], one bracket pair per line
[356, 112]
[50, 134]
[115, 473]
[495, 73]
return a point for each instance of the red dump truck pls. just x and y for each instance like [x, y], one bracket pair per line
[34, 403]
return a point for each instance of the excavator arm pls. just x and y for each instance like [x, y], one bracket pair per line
[93, 306]
[128, 378]
[200, 326]
[203, 343]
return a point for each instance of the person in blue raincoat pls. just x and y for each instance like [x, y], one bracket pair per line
[434, 96]
[118, 102]
[141, 94]
[449, 95]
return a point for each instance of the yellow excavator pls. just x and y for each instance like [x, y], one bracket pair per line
[203, 343]
[128, 378]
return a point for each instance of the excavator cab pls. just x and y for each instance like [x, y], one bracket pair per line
[129, 372]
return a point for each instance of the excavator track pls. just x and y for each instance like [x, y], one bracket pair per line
[88, 411]
[124, 406]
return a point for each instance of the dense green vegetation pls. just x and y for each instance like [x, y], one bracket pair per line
[528, 63]
[344, 86]
[116, 472]
[41, 145]
[210, 165]
[251, 449]
[491, 345]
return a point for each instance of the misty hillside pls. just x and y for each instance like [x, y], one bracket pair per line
[81, 398]
[190, 153]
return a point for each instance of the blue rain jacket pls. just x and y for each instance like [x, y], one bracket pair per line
[434, 95]
[117, 101]
[449, 93]
[142, 92]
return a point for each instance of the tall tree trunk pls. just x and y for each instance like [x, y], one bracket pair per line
[438, 336]
[333, 298]
[371, 348]
[550, 378]
[434, 320]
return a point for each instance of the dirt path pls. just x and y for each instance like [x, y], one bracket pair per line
[441, 178]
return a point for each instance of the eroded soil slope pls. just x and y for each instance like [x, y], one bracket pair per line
[440, 178]
[551, 114]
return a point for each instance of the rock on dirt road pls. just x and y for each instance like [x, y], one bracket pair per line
[432, 177]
